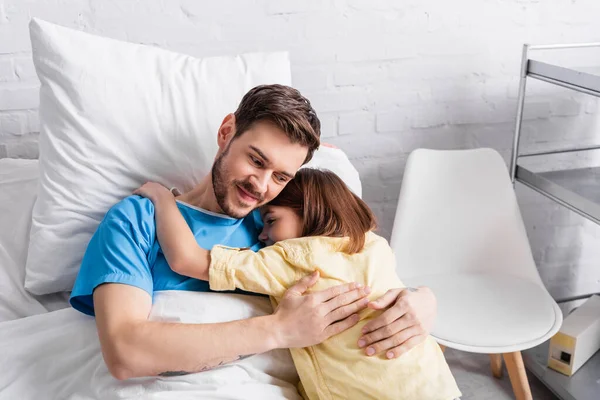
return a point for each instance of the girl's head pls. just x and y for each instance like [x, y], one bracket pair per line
[317, 203]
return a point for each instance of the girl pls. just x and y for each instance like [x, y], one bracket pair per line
[316, 223]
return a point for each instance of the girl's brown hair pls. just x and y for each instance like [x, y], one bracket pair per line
[327, 207]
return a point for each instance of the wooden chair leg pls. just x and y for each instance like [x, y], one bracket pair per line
[496, 363]
[442, 347]
[518, 375]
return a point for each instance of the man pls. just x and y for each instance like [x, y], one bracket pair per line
[261, 146]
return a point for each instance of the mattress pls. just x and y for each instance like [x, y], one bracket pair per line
[18, 185]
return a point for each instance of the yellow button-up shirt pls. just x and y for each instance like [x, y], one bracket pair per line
[338, 368]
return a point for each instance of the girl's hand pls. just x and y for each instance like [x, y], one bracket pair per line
[406, 322]
[153, 191]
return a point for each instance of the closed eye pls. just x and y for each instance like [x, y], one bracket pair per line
[256, 161]
[281, 178]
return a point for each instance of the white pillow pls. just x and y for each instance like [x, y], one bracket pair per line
[114, 115]
[337, 162]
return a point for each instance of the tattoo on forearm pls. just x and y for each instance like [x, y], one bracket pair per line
[173, 373]
[243, 357]
[224, 361]
[207, 367]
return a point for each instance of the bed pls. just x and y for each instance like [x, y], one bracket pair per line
[51, 351]
[97, 144]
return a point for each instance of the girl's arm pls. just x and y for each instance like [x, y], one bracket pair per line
[176, 239]
[270, 271]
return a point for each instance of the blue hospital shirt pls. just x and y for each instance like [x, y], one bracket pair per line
[125, 249]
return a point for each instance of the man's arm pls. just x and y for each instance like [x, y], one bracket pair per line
[133, 346]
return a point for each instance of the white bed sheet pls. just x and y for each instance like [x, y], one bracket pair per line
[18, 186]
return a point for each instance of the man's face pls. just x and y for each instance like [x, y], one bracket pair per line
[253, 168]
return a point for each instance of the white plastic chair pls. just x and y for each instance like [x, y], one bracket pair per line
[459, 231]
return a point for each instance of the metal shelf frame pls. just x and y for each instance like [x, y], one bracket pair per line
[560, 76]
[569, 78]
[585, 384]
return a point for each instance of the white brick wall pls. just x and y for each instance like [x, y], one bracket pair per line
[385, 76]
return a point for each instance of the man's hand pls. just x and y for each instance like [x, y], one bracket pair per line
[405, 324]
[308, 319]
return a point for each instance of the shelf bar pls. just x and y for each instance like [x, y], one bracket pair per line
[520, 106]
[546, 153]
[573, 298]
[564, 84]
[565, 197]
[563, 46]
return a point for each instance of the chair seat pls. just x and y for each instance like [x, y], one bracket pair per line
[490, 313]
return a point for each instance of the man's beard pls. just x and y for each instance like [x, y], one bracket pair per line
[220, 185]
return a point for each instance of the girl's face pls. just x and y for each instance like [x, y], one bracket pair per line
[281, 223]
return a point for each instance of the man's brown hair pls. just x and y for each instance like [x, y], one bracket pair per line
[327, 207]
[285, 107]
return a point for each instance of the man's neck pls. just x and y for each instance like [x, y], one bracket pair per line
[203, 196]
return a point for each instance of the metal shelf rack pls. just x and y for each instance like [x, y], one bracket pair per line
[576, 189]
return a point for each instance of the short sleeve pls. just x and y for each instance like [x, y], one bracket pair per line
[118, 252]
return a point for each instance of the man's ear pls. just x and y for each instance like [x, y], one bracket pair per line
[226, 131]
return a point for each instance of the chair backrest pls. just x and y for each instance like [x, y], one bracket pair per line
[458, 212]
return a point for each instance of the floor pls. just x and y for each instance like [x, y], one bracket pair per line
[474, 378]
